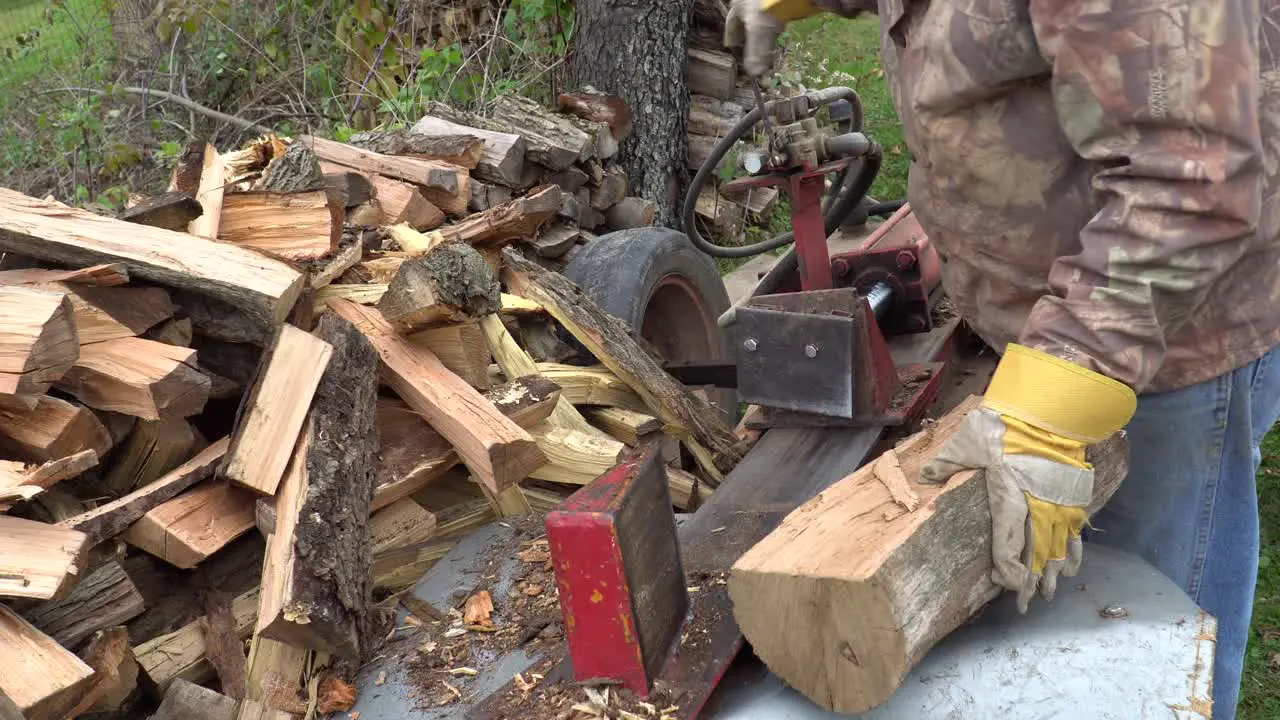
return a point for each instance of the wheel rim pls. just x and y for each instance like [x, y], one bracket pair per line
[676, 322]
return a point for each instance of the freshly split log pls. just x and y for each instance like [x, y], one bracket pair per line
[138, 377]
[171, 211]
[501, 159]
[852, 589]
[274, 687]
[575, 458]
[274, 409]
[446, 185]
[153, 448]
[462, 348]
[485, 196]
[462, 148]
[52, 429]
[109, 313]
[315, 577]
[188, 701]
[209, 194]
[104, 598]
[519, 218]
[347, 256]
[401, 523]
[115, 672]
[38, 340]
[626, 425]
[192, 526]
[39, 679]
[19, 483]
[450, 283]
[107, 275]
[179, 656]
[610, 190]
[569, 180]
[39, 561]
[241, 277]
[113, 518]
[295, 226]
[368, 294]
[400, 202]
[553, 140]
[497, 450]
[710, 439]
[556, 240]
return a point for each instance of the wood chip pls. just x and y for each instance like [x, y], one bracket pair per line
[889, 471]
[477, 609]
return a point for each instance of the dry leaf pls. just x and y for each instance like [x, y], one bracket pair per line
[477, 609]
[336, 695]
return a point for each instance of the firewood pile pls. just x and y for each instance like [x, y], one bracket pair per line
[240, 420]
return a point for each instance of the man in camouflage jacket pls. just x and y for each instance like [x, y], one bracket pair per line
[1100, 180]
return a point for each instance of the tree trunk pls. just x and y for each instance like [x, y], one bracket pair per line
[635, 49]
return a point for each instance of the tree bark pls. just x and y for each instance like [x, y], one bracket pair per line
[635, 49]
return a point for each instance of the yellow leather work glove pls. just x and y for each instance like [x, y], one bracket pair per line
[1029, 437]
[755, 25]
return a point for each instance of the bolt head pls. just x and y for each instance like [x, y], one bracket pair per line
[906, 260]
[811, 351]
[750, 345]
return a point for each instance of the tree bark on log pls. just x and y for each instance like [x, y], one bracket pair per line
[636, 51]
[852, 589]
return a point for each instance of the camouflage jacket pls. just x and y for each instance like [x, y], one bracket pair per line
[1099, 176]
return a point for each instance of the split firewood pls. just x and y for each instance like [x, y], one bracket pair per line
[400, 202]
[188, 701]
[710, 440]
[412, 243]
[40, 679]
[223, 647]
[485, 196]
[111, 519]
[569, 180]
[699, 151]
[51, 430]
[413, 454]
[401, 523]
[39, 561]
[187, 171]
[314, 583]
[103, 275]
[153, 448]
[115, 672]
[176, 331]
[462, 348]
[446, 185]
[19, 483]
[594, 385]
[209, 194]
[216, 319]
[38, 340]
[274, 408]
[910, 578]
[462, 148]
[631, 212]
[274, 688]
[171, 211]
[626, 425]
[401, 567]
[758, 201]
[519, 218]
[450, 283]
[501, 158]
[192, 526]
[598, 107]
[711, 73]
[108, 313]
[104, 598]
[554, 241]
[296, 226]
[180, 656]
[493, 447]
[349, 253]
[575, 458]
[368, 294]
[351, 186]
[241, 277]
[610, 190]
[138, 377]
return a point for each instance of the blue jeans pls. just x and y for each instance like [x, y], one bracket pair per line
[1189, 504]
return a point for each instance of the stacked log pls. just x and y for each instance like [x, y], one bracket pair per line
[255, 406]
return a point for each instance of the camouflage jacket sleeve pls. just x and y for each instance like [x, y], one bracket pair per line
[1162, 98]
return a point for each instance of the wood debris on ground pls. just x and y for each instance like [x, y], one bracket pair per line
[254, 409]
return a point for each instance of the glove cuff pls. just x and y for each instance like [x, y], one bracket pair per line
[1059, 396]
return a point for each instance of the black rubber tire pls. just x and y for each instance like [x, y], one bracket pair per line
[623, 271]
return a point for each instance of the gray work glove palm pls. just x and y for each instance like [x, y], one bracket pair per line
[749, 28]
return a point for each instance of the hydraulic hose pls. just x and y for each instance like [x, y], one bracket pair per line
[850, 188]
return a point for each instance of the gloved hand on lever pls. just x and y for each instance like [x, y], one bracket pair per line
[1029, 437]
[756, 25]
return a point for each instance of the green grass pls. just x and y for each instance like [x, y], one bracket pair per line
[1260, 691]
[57, 46]
[826, 50]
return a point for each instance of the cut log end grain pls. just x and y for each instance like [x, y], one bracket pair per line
[38, 339]
[852, 588]
[452, 282]
[296, 226]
